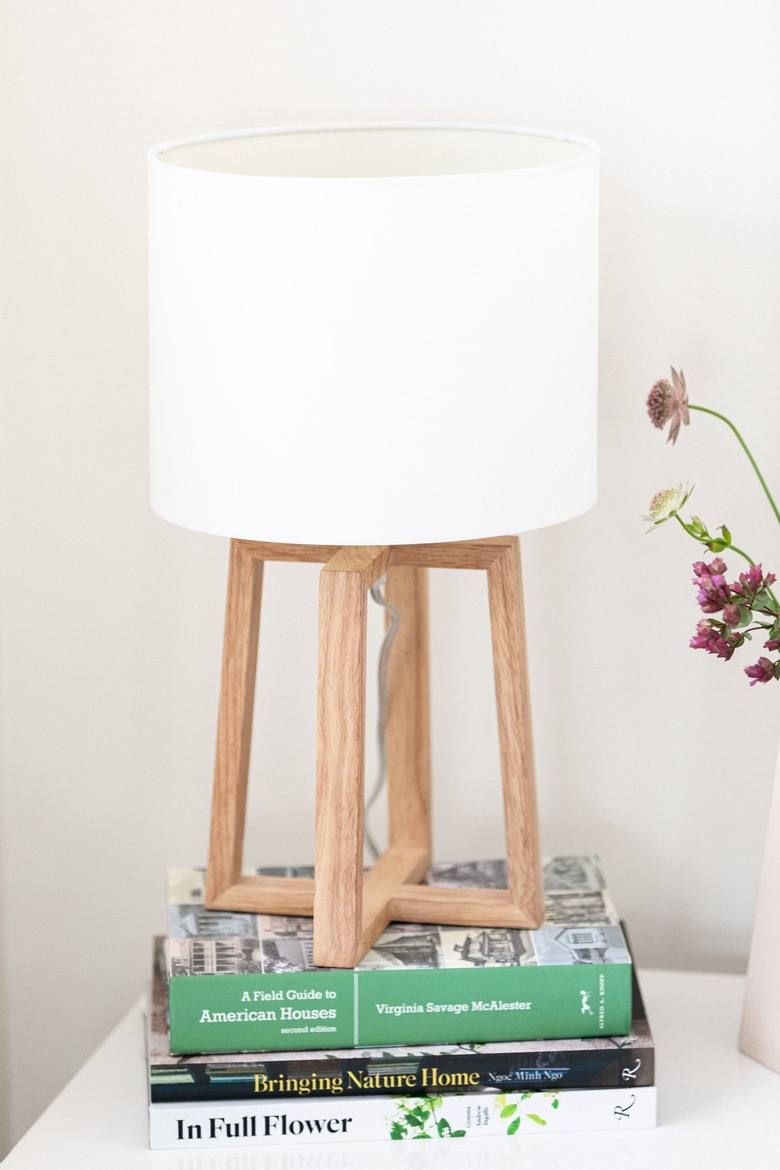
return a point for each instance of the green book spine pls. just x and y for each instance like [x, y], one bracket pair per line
[330, 1009]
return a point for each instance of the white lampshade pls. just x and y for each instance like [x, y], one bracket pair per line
[373, 334]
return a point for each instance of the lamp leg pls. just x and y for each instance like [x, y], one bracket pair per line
[341, 725]
[234, 727]
[510, 665]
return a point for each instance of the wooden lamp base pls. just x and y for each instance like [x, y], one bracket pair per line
[350, 908]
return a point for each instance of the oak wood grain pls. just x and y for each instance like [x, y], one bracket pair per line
[510, 665]
[341, 725]
[274, 895]
[395, 867]
[459, 906]
[407, 731]
[351, 910]
[234, 723]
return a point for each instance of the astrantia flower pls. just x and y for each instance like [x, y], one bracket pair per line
[762, 671]
[668, 402]
[666, 504]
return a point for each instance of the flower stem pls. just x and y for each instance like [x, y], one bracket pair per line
[731, 547]
[746, 449]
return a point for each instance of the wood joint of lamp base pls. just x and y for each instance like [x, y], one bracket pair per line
[351, 908]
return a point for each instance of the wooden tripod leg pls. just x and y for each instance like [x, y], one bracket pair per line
[408, 719]
[341, 722]
[507, 623]
[234, 728]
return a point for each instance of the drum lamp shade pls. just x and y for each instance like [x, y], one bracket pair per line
[373, 335]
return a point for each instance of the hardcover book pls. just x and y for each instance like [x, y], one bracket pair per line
[209, 1124]
[246, 982]
[597, 1062]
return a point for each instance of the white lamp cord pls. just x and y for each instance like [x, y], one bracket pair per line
[378, 595]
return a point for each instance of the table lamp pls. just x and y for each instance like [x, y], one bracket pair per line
[373, 347]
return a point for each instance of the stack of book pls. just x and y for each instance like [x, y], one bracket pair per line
[440, 1032]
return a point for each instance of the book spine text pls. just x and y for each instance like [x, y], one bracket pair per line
[343, 1009]
[399, 1118]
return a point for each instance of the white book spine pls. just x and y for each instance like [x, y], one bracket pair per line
[289, 1121]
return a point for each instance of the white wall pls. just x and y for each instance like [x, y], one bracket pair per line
[656, 757]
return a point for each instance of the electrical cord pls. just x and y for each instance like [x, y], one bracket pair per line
[378, 595]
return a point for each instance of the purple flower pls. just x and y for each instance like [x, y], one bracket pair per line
[761, 672]
[668, 402]
[708, 637]
[752, 577]
[732, 613]
[715, 567]
[754, 580]
[714, 592]
[752, 588]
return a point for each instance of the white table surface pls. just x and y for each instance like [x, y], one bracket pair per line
[717, 1108]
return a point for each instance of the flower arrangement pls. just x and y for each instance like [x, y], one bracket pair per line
[744, 607]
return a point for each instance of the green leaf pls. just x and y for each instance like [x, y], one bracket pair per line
[555, 1102]
[513, 1126]
[509, 1110]
[716, 546]
[535, 1117]
[458, 1133]
[443, 1127]
[417, 1136]
[745, 616]
[726, 535]
[397, 1131]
